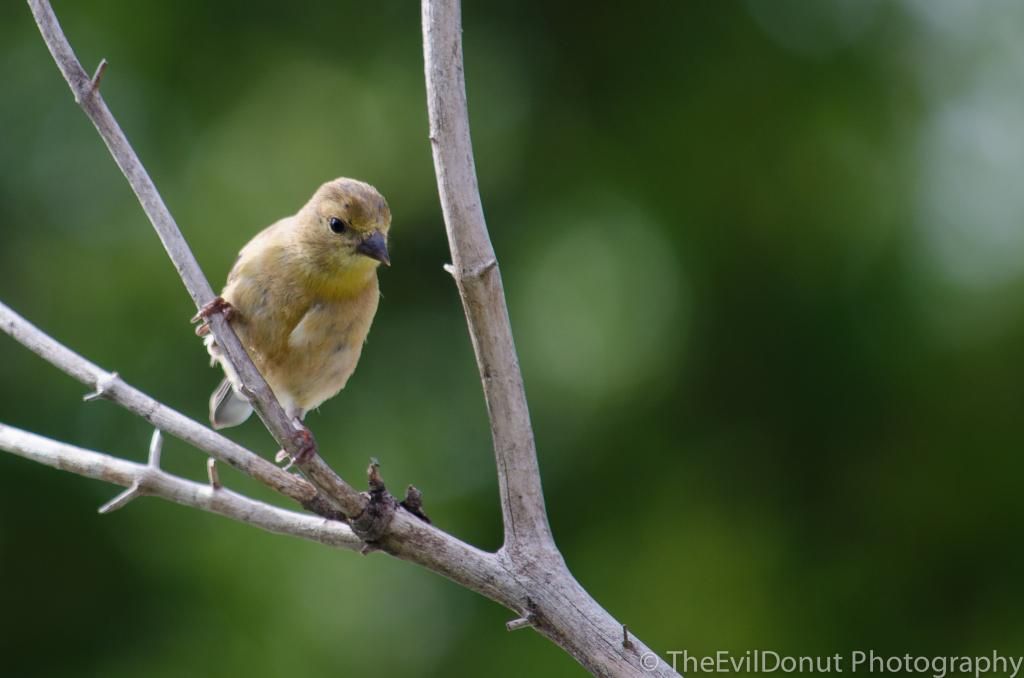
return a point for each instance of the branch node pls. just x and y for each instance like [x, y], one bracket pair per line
[520, 623]
[121, 500]
[103, 385]
[371, 524]
[319, 505]
[156, 445]
[626, 642]
[413, 503]
[374, 478]
[473, 273]
[481, 270]
[211, 473]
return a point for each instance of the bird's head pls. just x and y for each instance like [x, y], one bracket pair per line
[345, 228]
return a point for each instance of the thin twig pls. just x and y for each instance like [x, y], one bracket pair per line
[347, 498]
[519, 623]
[156, 445]
[156, 483]
[212, 475]
[121, 500]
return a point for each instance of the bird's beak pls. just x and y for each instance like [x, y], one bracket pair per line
[375, 248]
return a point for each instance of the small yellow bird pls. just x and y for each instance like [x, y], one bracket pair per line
[301, 297]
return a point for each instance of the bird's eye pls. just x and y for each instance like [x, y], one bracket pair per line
[338, 225]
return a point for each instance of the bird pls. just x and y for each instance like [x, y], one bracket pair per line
[301, 297]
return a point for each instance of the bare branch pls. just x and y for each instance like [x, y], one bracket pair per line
[475, 268]
[110, 386]
[408, 536]
[150, 481]
[556, 605]
[88, 96]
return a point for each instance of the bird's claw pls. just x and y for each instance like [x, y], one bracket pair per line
[307, 449]
[218, 305]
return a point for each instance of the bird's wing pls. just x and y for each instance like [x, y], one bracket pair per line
[258, 243]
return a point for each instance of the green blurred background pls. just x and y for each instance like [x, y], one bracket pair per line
[764, 262]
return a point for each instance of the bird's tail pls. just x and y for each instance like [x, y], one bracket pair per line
[228, 407]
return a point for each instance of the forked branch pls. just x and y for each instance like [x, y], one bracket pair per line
[558, 607]
[151, 481]
[110, 386]
[528, 575]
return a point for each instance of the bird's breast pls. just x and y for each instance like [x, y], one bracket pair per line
[322, 350]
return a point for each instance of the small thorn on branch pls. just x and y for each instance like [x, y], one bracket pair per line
[626, 642]
[487, 266]
[473, 273]
[121, 500]
[211, 473]
[156, 445]
[413, 503]
[82, 91]
[94, 84]
[103, 385]
[520, 623]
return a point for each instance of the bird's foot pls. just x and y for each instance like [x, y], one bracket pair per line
[218, 305]
[306, 444]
